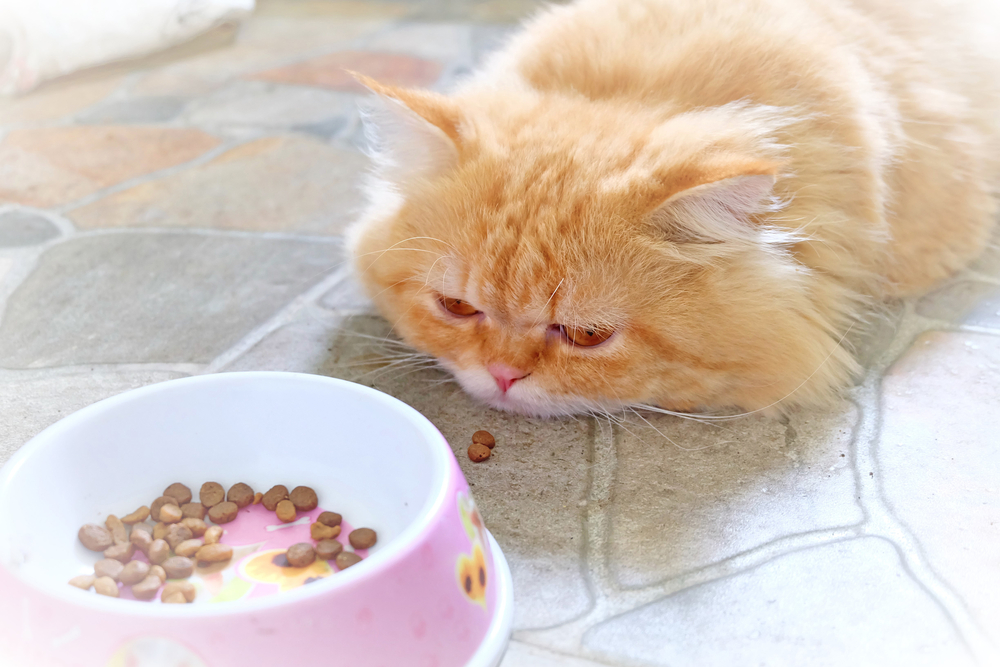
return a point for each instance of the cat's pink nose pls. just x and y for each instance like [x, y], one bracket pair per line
[505, 375]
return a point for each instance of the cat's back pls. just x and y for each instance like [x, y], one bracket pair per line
[703, 52]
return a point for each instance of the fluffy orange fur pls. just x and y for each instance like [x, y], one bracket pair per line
[728, 185]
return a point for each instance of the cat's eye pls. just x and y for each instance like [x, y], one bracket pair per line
[457, 306]
[587, 336]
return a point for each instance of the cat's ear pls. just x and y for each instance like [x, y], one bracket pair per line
[712, 209]
[414, 132]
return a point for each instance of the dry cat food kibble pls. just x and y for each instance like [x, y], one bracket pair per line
[484, 438]
[478, 452]
[345, 559]
[301, 555]
[286, 511]
[274, 496]
[329, 519]
[178, 492]
[241, 494]
[179, 539]
[223, 512]
[214, 553]
[95, 538]
[481, 447]
[363, 538]
[327, 549]
[304, 498]
[211, 494]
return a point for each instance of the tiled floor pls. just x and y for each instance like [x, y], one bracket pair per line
[185, 217]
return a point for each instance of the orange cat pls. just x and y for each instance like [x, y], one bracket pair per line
[683, 203]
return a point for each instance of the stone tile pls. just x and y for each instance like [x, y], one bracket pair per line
[939, 461]
[265, 41]
[339, 9]
[531, 489]
[255, 103]
[715, 491]
[347, 296]
[27, 406]
[520, 654]
[286, 184]
[967, 301]
[135, 110]
[301, 346]
[55, 101]
[51, 166]
[23, 228]
[443, 42]
[849, 603]
[170, 297]
[329, 71]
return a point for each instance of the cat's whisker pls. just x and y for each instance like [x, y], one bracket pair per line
[668, 439]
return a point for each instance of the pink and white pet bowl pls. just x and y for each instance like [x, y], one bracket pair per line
[434, 592]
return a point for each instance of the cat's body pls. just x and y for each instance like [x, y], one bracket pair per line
[720, 188]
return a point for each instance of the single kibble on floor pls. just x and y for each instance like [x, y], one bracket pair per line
[179, 492]
[194, 510]
[301, 554]
[178, 567]
[214, 553]
[83, 582]
[196, 526]
[345, 559]
[329, 519]
[158, 552]
[118, 531]
[484, 438]
[134, 572]
[170, 514]
[94, 537]
[327, 549]
[185, 588]
[286, 511]
[211, 494]
[154, 508]
[188, 548]
[303, 498]
[173, 598]
[223, 512]
[106, 586]
[257, 497]
[158, 572]
[160, 531]
[141, 540]
[147, 588]
[177, 534]
[137, 516]
[241, 494]
[479, 453]
[320, 532]
[274, 496]
[108, 567]
[120, 552]
[213, 534]
[363, 538]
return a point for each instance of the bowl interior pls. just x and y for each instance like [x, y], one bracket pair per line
[367, 455]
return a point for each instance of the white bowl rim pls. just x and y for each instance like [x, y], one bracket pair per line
[384, 558]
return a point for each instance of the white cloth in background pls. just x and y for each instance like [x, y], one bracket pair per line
[43, 39]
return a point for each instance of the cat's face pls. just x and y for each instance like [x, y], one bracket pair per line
[556, 267]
